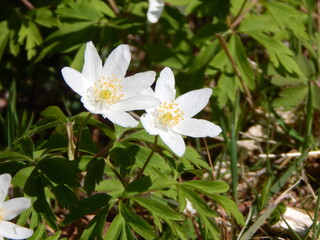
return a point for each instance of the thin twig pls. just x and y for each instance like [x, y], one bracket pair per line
[28, 4]
[244, 12]
[209, 158]
[149, 157]
[235, 67]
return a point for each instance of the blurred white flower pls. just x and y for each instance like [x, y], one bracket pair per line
[155, 9]
[9, 210]
[189, 209]
[105, 89]
[173, 117]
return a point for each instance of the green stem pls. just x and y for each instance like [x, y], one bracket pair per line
[114, 170]
[79, 133]
[149, 157]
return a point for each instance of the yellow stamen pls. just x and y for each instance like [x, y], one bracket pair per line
[169, 114]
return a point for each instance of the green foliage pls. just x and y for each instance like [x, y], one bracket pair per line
[261, 57]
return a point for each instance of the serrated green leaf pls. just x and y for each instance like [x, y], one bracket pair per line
[287, 80]
[65, 196]
[44, 17]
[291, 97]
[95, 170]
[10, 155]
[158, 209]
[137, 223]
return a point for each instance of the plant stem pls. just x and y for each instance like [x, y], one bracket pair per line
[114, 170]
[80, 133]
[149, 157]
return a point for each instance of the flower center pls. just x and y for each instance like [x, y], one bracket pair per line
[168, 115]
[106, 91]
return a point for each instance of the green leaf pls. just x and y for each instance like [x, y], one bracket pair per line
[115, 228]
[79, 11]
[241, 59]
[65, 196]
[194, 157]
[291, 97]
[179, 2]
[96, 226]
[230, 207]
[95, 169]
[198, 203]
[69, 29]
[146, 184]
[177, 230]
[10, 155]
[30, 32]
[21, 176]
[87, 206]
[206, 187]
[55, 112]
[137, 223]
[37, 235]
[96, 123]
[158, 209]
[60, 170]
[4, 37]
[44, 17]
[41, 205]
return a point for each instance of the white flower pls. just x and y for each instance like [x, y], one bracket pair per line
[105, 89]
[155, 9]
[189, 209]
[173, 117]
[9, 210]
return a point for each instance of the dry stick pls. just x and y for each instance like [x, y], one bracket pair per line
[234, 66]
[28, 4]
[296, 154]
[243, 14]
[114, 7]
[209, 158]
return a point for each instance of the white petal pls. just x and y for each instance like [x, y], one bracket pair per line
[95, 109]
[14, 207]
[148, 123]
[5, 180]
[92, 64]
[165, 86]
[174, 141]
[197, 128]
[155, 10]
[117, 62]
[194, 101]
[137, 83]
[137, 102]
[75, 80]
[13, 231]
[120, 117]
